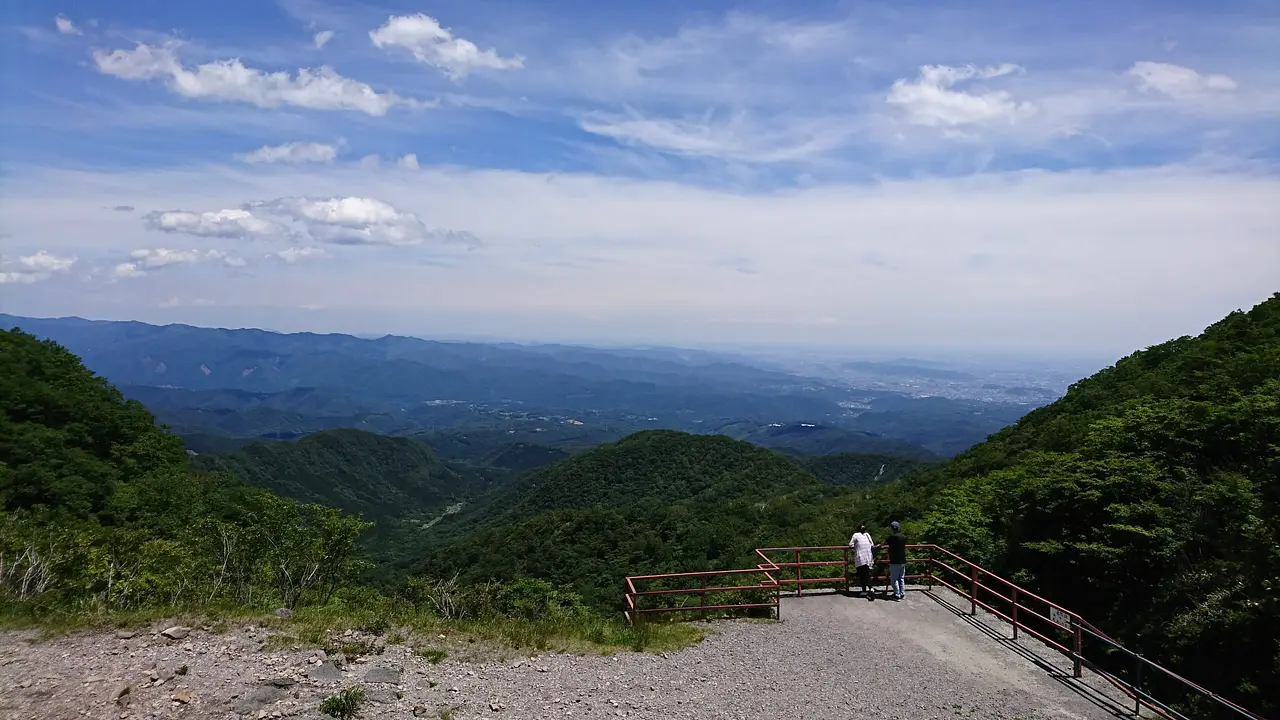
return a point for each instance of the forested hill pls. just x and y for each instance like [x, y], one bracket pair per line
[654, 501]
[1148, 499]
[858, 469]
[355, 471]
[99, 510]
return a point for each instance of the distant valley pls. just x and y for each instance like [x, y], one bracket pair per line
[219, 389]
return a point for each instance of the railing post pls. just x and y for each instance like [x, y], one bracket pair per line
[846, 571]
[1076, 669]
[1015, 612]
[973, 589]
[703, 596]
[1137, 684]
[799, 580]
[777, 600]
[929, 564]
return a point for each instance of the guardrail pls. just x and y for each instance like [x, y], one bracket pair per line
[1047, 621]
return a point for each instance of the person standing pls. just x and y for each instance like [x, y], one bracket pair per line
[897, 543]
[862, 558]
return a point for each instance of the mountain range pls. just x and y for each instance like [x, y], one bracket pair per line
[216, 385]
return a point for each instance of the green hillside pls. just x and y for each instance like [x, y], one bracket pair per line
[1148, 499]
[358, 472]
[858, 469]
[97, 503]
[652, 502]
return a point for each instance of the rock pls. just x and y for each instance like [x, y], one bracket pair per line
[255, 700]
[285, 613]
[185, 697]
[24, 684]
[177, 632]
[496, 706]
[281, 682]
[325, 672]
[419, 711]
[126, 634]
[382, 675]
[124, 695]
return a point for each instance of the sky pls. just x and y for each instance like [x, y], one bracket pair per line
[1051, 177]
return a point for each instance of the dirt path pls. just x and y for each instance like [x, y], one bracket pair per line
[831, 657]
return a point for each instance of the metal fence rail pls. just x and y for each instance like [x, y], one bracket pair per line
[1047, 621]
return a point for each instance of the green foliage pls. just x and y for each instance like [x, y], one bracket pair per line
[858, 469]
[101, 513]
[344, 705]
[358, 472]
[1147, 499]
[67, 438]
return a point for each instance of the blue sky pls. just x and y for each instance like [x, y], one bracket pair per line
[1098, 176]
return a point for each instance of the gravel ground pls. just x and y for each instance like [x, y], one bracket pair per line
[831, 657]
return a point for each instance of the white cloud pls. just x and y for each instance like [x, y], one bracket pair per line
[322, 38]
[1176, 81]
[434, 45]
[229, 80]
[179, 302]
[146, 260]
[295, 255]
[292, 153]
[739, 139]
[408, 162]
[933, 101]
[359, 221]
[34, 268]
[231, 223]
[65, 26]
[336, 220]
[1166, 250]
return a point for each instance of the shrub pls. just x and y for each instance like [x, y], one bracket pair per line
[344, 705]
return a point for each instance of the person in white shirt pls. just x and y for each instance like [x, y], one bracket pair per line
[863, 557]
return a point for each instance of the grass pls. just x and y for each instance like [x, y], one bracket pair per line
[432, 655]
[344, 705]
[316, 626]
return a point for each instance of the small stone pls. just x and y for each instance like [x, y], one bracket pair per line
[284, 613]
[419, 711]
[185, 697]
[177, 632]
[325, 672]
[281, 682]
[495, 706]
[124, 695]
[126, 634]
[24, 684]
[382, 675]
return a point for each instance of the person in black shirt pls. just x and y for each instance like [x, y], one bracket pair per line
[897, 543]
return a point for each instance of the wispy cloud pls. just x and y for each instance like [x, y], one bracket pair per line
[933, 100]
[338, 220]
[144, 261]
[322, 38]
[291, 153]
[34, 268]
[1178, 82]
[65, 26]
[430, 43]
[229, 80]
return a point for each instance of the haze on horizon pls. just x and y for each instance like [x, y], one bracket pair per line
[1086, 179]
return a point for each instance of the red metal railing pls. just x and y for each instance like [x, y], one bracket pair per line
[1047, 621]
